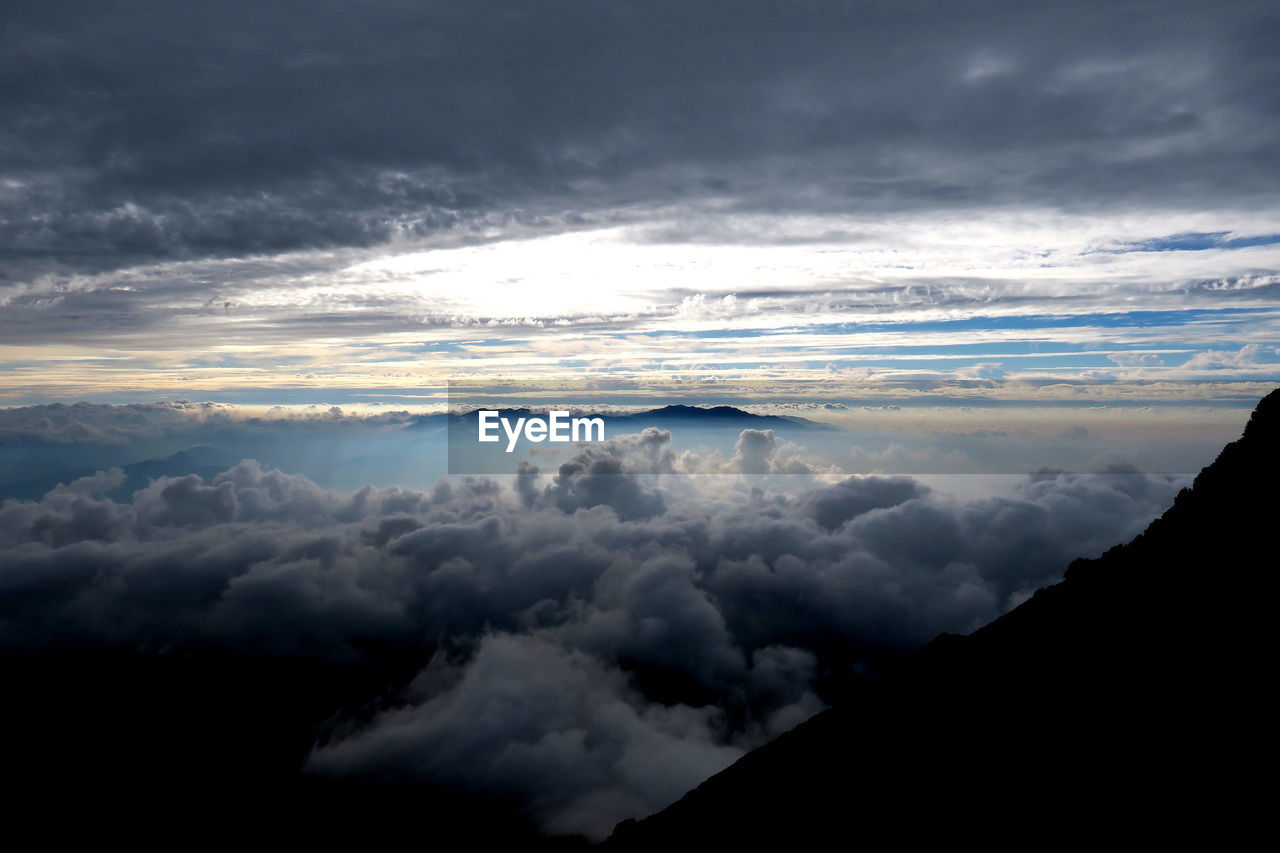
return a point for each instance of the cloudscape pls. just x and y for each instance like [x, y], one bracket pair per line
[886, 312]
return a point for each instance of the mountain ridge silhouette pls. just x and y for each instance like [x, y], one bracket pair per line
[1126, 701]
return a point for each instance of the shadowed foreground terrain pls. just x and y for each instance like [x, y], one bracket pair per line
[1126, 702]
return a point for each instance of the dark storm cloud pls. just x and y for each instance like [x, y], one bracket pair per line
[553, 727]
[834, 506]
[603, 639]
[155, 129]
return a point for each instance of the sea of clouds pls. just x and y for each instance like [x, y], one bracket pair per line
[602, 637]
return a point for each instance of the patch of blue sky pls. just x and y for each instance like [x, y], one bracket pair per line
[1124, 319]
[1027, 361]
[430, 347]
[434, 347]
[1198, 242]
[244, 361]
[700, 333]
[249, 397]
[1003, 349]
[1029, 322]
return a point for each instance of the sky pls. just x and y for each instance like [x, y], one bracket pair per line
[268, 203]
[1015, 264]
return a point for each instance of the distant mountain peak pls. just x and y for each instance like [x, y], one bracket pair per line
[679, 412]
[682, 408]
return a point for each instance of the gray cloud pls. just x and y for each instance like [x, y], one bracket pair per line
[591, 480]
[834, 506]
[529, 718]
[83, 423]
[159, 130]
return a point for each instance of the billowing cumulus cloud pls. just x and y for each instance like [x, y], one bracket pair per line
[84, 423]
[556, 728]
[604, 635]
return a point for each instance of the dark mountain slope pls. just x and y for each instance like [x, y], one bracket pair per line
[1129, 701]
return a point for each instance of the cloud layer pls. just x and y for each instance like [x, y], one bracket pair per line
[602, 638]
[320, 203]
[164, 131]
